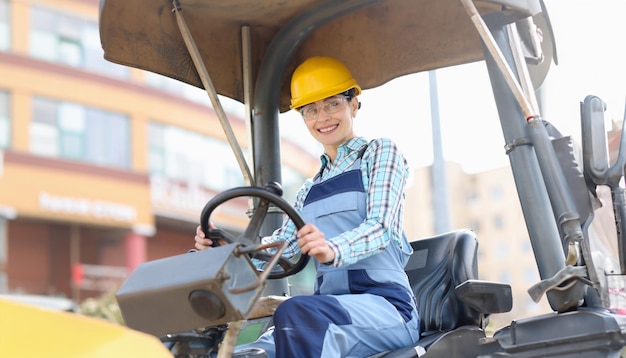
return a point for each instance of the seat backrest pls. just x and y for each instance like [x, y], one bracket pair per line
[437, 265]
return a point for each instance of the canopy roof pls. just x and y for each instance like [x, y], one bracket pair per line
[379, 42]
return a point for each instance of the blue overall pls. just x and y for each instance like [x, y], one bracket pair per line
[357, 310]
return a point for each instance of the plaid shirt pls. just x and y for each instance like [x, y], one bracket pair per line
[384, 171]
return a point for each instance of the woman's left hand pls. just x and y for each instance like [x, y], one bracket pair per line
[312, 242]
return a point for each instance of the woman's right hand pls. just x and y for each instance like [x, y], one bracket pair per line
[203, 243]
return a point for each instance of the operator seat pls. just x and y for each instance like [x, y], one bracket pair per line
[452, 303]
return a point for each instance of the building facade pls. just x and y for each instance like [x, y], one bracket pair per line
[102, 166]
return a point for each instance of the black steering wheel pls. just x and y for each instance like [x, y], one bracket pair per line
[271, 194]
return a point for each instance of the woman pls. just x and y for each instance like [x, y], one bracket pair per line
[353, 207]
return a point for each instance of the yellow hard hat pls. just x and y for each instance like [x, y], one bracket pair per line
[318, 78]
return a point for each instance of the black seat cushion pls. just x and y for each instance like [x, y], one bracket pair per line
[437, 266]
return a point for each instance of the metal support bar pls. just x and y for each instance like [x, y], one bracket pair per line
[522, 68]
[438, 181]
[597, 164]
[211, 91]
[498, 57]
[558, 189]
[565, 210]
[531, 188]
[246, 61]
[619, 207]
[260, 281]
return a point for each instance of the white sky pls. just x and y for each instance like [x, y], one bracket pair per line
[590, 37]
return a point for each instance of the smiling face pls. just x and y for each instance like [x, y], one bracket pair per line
[334, 128]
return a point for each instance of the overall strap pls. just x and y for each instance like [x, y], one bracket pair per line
[356, 165]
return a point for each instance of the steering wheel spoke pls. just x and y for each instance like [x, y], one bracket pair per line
[219, 234]
[251, 233]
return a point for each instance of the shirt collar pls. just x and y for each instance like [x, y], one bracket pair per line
[345, 149]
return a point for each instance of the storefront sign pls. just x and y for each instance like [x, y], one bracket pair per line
[98, 209]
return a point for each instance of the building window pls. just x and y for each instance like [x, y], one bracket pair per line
[73, 131]
[192, 158]
[189, 157]
[472, 199]
[5, 123]
[5, 29]
[69, 40]
[496, 193]
[498, 222]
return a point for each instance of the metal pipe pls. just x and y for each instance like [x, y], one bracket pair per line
[246, 61]
[498, 58]
[522, 69]
[558, 190]
[438, 180]
[247, 75]
[565, 211]
[531, 188]
[211, 91]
